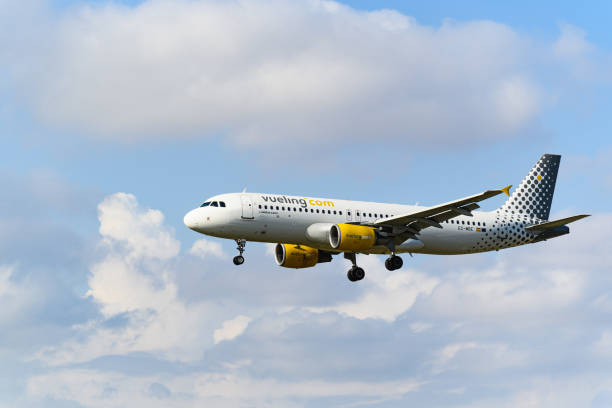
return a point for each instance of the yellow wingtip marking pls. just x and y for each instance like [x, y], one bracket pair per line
[506, 190]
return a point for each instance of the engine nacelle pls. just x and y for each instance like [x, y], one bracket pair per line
[351, 238]
[296, 256]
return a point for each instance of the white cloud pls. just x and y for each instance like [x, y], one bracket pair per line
[268, 71]
[603, 345]
[386, 295]
[133, 281]
[504, 291]
[16, 298]
[142, 232]
[572, 42]
[231, 329]
[204, 248]
[477, 357]
[419, 327]
[100, 389]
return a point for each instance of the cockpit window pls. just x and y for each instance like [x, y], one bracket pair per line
[214, 204]
[206, 204]
[221, 203]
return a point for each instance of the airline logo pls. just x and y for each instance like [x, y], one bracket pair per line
[302, 202]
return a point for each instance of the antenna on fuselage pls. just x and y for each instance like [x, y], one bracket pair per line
[244, 190]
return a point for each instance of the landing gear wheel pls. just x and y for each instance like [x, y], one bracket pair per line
[355, 274]
[393, 263]
[239, 259]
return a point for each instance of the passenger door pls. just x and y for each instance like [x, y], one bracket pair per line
[247, 207]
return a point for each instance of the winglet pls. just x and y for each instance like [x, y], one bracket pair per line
[506, 190]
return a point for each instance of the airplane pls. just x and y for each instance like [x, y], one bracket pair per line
[309, 230]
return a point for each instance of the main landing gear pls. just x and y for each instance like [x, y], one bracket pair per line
[393, 263]
[355, 273]
[239, 259]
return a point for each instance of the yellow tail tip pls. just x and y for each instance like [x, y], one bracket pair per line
[506, 190]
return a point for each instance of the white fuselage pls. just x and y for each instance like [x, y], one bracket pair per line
[286, 219]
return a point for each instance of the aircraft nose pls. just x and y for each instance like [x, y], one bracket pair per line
[192, 220]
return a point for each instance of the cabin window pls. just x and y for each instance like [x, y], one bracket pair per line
[317, 211]
[463, 222]
[283, 208]
[300, 210]
[265, 207]
[294, 209]
[277, 208]
[340, 212]
[349, 213]
[484, 224]
[329, 211]
[311, 210]
[358, 213]
[334, 212]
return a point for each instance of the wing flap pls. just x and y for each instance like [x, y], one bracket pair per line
[556, 223]
[441, 212]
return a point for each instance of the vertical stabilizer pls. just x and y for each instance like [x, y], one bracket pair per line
[533, 197]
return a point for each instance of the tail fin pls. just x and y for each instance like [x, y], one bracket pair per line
[533, 196]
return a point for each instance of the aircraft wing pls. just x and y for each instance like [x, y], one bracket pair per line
[556, 223]
[433, 216]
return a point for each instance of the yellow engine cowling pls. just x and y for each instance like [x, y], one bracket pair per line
[352, 238]
[296, 256]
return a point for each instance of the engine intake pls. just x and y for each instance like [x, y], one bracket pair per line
[353, 238]
[299, 256]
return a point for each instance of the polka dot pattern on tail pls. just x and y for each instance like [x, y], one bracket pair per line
[533, 197]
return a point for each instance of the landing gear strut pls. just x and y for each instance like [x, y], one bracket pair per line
[393, 262]
[239, 259]
[355, 273]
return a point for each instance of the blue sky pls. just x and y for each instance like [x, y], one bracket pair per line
[118, 117]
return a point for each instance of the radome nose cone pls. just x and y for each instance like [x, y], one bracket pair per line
[191, 219]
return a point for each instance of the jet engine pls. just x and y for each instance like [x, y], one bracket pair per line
[351, 238]
[299, 256]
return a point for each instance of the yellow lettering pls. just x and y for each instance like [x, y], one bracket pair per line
[321, 203]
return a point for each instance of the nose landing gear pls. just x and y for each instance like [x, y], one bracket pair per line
[239, 259]
[393, 263]
[355, 273]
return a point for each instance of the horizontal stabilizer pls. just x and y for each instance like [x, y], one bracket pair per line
[557, 223]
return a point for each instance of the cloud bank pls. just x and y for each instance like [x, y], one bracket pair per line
[411, 336]
[261, 72]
